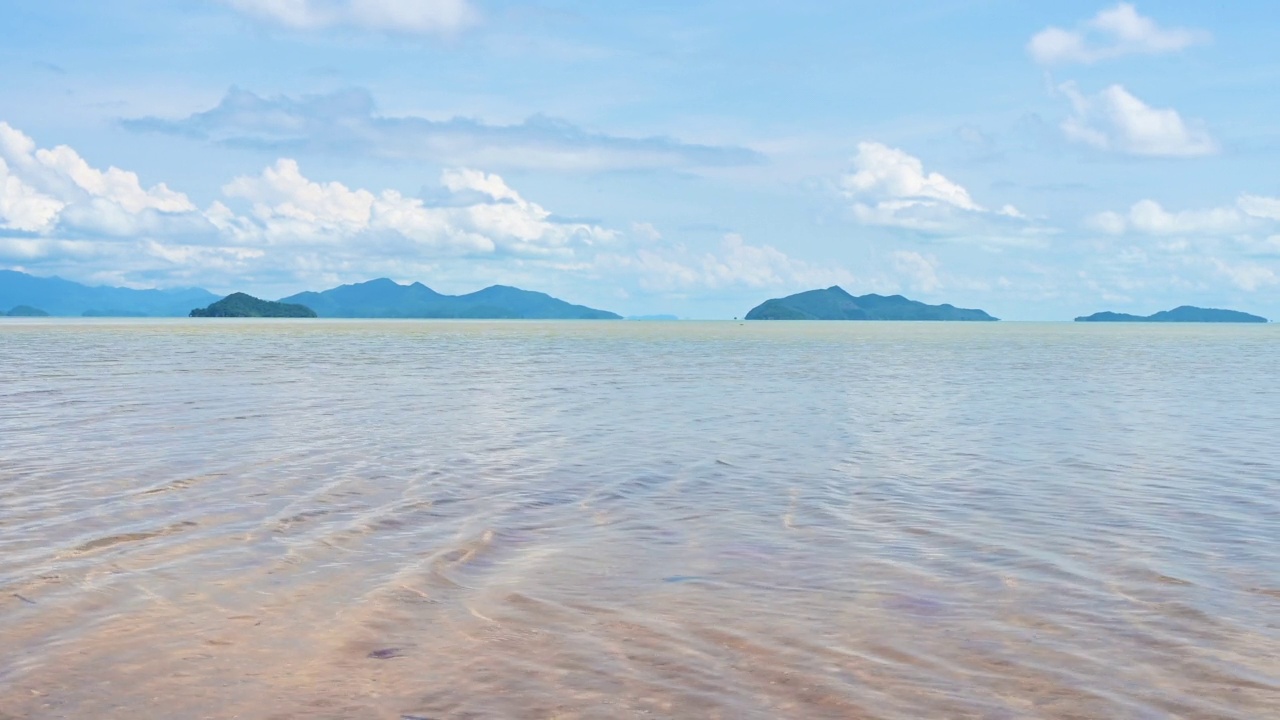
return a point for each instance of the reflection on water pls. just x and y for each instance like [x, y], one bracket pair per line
[597, 520]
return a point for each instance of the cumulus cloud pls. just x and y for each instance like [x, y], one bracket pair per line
[281, 227]
[1259, 207]
[1116, 120]
[1112, 33]
[890, 187]
[921, 271]
[1248, 276]
[46, 188]
[347, 123]
[288, 208]
[22, 207]
[1109, 222]
[646, 231]
[53, 203]
[759, 266]
[409, 17]
[893, 173]
[1148, 217]
[735, 264]
[1235, 242]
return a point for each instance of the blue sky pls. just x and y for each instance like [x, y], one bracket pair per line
[1036, 160]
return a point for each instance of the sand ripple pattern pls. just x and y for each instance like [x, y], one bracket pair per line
[441, 519]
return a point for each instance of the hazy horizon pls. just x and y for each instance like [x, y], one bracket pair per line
[635, 315]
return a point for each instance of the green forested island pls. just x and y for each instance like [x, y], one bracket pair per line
[836, 304]
[242, 305]
[1184, 313]
[26, 311]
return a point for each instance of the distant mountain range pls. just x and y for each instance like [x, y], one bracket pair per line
[64, 297]
[384, 298]
[1185, 313]
[380, 298]
[22, 294]
[836, 304]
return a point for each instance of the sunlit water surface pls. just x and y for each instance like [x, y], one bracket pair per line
[314, 519]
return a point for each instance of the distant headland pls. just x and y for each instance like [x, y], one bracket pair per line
[1182, 314]
[836, 304]
[240, 305]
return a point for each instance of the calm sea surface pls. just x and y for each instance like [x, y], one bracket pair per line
[406, 520]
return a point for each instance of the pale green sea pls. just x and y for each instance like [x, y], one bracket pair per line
[436, 519]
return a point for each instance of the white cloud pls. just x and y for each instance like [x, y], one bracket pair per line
[1268, 246]
[118, 186]
[1229, 241]
[920, 270]
[55, 207]
[673, 268]
[281, 226]
[22, 207]
[348, 123]
[646, 231]
[1259, 207]
[756, 266]
[1112, 33]
[1116, 120]
[422, 17]
[461, 180]
[890, 187]
[281, 196]
[890, 172]
[1109, 222]
[62, 173]
[1248, 276]
[1148, 217]
[44, 187]
[288, 208]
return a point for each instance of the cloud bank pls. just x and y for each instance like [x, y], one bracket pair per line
[347, 123]
[60, 214]
[1239, 243]
[1148, 217]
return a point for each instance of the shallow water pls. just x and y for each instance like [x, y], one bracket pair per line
[326, 519]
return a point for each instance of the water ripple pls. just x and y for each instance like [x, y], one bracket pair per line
[502, 519]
